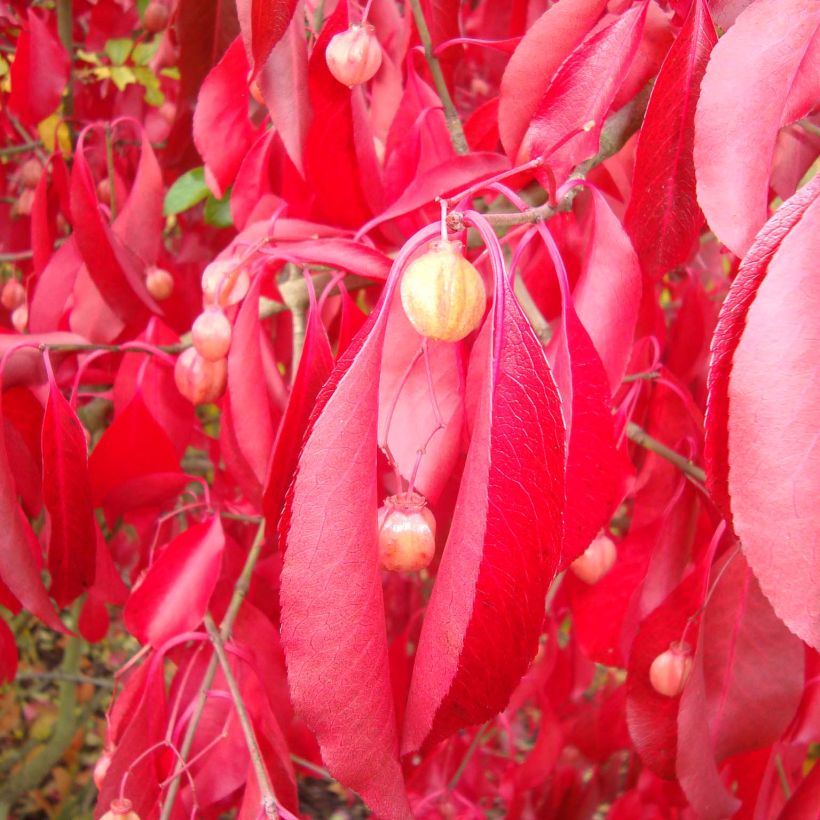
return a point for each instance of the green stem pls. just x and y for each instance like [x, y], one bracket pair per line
[642, 438]
[262, 776]
[65, 24]
[65, 727]
[450, 114]
[109, 161]
[239, 592]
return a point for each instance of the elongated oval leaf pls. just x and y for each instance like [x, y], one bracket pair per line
[752, 88]
[173, 596]
[67, 497]
[541, 51]
[728, 332]
[482, 624]
[774, 454]
[663, 217]
[582, 92]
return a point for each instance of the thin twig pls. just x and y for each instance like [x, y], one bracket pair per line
[240, 590]
[262, 776]
[100, 683]
[450, 114]
[642, 438]
[466, 759]
[23, 148]
[65, 24]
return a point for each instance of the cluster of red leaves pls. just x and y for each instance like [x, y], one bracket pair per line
[672, 296]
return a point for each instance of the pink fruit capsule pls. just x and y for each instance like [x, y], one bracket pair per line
[670, 670]
[354, 56]
[407, 533]
[199, 380]
[211, 334]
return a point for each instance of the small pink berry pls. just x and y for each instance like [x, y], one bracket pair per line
[160, 283]
[354, 56]
[199, 380]
[670, 670]
[19, 318]
[30, 172]
[211, 334]
[14, 294]
[224, 282]
[596, 561]
[120, 809]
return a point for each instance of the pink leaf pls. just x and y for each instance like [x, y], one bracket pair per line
[774, 455]
[283, 82]
[413, 418]
[752, 88]
[263, 23]
[223, 133]
[333, 623]
[663, 217]
[173, 596]
[549, 41]
[582, 92]
[752, 665]
[728, 332]
[67, 497]
[39, 72]
[481, 627]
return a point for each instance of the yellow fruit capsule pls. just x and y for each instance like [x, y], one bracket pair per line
[442, 294]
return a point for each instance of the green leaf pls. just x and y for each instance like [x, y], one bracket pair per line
[143, 52]
[218, 211]
[186, 192]
[122, 76]
[118, 50]
[146, 78]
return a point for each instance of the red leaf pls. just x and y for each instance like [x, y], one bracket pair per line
[173, 596]
[39, 72]
[67, 497]
[595, 476]
[140, 220]
[18, 569]
[752, 88]
[482, 624]
[728, 332]
[116, 270]
[549, 41]
[314, 368]
[582, 92]
[446, 179]
[663, 217]
[607, 294]
[93, 622]
[223, 133]
[134, 451]
[774, 455]
[8, 653]
[251, 414]
[54, 287]
[331, 165]
[263, 23]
